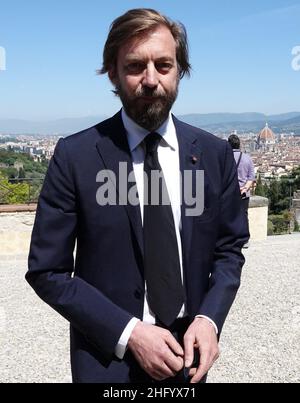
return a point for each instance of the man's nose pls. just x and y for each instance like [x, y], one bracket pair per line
[150, 78]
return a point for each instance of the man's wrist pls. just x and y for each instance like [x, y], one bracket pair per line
[122, 345]
[210, 321]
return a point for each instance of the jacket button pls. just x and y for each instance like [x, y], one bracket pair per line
[137, 294]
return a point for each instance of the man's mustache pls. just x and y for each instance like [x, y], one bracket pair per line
[149, 92]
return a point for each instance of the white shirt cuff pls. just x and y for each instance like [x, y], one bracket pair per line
[121, 347]
[211, 321]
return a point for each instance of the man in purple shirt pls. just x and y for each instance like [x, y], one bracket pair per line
[246, 174]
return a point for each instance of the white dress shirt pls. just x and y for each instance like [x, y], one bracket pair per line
[168, 155]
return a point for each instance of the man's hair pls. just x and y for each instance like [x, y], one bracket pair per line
[137, 22]
[234, 141]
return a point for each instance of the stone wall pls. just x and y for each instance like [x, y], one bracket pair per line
[16, 224]
[258, 218]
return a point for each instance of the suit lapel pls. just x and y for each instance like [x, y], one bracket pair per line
[190, 156]
[113, 148]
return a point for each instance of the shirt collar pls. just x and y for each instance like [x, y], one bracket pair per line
[136, 134]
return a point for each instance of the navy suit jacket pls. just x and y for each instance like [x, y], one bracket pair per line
[104, 288]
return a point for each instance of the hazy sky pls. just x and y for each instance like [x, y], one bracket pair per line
[241, 53]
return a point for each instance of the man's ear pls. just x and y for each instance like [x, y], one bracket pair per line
[112, 75]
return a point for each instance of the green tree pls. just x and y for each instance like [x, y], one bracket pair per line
[270, 228]
[274, 196]
[22, 174]
[13, 193]
[261, 189]
[288, 217]
[280, 223]
[30, 166]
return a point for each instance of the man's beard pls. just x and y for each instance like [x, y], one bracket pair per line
[149, 115]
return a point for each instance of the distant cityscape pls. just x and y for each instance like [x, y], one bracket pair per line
[37, 146]
[274, 155]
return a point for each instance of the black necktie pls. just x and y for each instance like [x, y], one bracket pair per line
[162, 266]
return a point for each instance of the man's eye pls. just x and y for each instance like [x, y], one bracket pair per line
[135, 67]
[164, 67]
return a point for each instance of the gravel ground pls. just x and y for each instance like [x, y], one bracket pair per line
[260, 341]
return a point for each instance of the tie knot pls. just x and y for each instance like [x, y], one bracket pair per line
[151, 141]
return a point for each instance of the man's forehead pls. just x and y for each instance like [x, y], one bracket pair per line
[161, 38]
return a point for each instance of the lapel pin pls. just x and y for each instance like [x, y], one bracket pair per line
[194, 159]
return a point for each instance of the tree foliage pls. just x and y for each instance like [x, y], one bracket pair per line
[31, 167]
[10, 193]
[280, 194]
[13, 188]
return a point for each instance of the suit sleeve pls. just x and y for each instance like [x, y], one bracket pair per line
[51, 262]
[228, 258]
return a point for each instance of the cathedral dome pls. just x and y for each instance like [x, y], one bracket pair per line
[267, 136]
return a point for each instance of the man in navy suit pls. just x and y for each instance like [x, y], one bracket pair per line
[151, 285]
